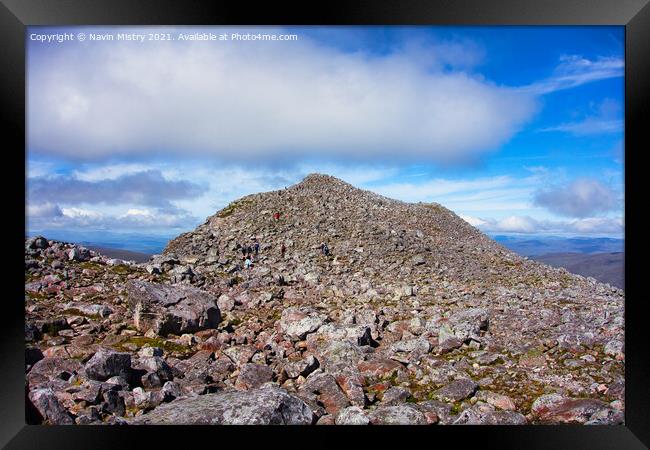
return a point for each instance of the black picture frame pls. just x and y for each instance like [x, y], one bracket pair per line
[15, 15]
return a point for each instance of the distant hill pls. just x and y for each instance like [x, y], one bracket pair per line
[542, 245]
[605, 267]
[135, 242]
[117, 253]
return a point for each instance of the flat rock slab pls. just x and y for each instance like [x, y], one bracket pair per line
[268, 405]
[554, 408]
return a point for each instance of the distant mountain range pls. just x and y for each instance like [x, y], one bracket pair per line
[601, 258]
[133, 242]
[541, 245]
[117, 253]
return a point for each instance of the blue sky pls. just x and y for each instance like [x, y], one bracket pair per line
[519, 130]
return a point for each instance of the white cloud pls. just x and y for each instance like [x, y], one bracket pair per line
[589, 126]
[581, 198]
[133, 212]
[574, 70]
[49, 216]
[516, 224]
[473, 221]
[109, 171]
[433, 190]
[605, 120]
[44, 210]
[599, 226]
[80, 213]
[246, 100]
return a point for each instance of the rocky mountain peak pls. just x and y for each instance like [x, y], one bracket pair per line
[321, 180]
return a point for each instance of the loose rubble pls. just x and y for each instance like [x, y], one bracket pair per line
[410, 316]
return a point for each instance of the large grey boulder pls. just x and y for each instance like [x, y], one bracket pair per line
[469, 323]
[107, 363]
[37, 242]
[171, 309]
[297, 323]
[79, 254]
[268, 405]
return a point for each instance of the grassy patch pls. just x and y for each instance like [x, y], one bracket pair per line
[121, 269]
[90, 265]
[37, 296]
[230, 209]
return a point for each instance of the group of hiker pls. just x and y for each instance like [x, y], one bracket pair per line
[250, 252]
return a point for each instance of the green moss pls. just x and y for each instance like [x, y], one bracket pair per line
[228, 210]
[274, 316]
[29, 277]
[131, 411]
[90, 265]
[235, 321]
[121, 269]
[36, 296]
[392, 379]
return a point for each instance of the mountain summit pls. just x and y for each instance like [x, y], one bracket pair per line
[322, 303]
[363, 230]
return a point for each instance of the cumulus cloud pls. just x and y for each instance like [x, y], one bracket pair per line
[44, 210]
[48, 216]
[529, 225]
[143, 188]
[250, 100]
[581, 198]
